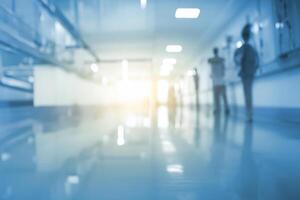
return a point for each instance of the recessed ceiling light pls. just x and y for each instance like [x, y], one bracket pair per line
[187, 13]
[174, 48]
[169, 61]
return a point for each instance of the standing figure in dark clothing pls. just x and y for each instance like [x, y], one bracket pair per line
[196, 82]
[247, 59]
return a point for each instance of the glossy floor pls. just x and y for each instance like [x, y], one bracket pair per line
[182, 155]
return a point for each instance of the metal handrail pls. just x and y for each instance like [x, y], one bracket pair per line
[55, 12]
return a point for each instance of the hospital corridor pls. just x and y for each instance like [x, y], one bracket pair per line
[149, 100]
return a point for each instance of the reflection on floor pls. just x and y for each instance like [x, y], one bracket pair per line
[184, 155]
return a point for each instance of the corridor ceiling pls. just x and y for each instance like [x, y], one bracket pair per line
[121, 29]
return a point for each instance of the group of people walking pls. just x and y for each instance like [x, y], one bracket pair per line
[247, 59]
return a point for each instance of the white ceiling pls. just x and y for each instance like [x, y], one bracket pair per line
[120, 29]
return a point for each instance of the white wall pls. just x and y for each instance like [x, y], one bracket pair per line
[275, 91]
[56, 87]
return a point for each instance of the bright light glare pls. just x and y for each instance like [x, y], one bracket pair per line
[174, 48]
[73, 179]
[147, 122]
[121, 136]
[279, 25]
[5, 157]
[131, 121]
[143, 4]
[31, 79]
[162, 117]
[187, 13]
[58, 28]
[94, 67]
[125, 69]
[162, 93]
[125, 63]
[175, 169]
[104, 81]
[255, 28]
[165, 70]
[239, 44]
[169, 61]
[191, 72]
[132, 91]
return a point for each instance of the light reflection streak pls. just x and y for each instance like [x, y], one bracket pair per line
[121, 136]
[175, 169]
[168, 147]
[5, 157]
[163, 117]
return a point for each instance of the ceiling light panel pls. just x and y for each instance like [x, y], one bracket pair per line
[187, 13]
[174, 48]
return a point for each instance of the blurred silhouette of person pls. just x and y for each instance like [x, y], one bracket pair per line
[180, 93]
[172, 96]
[196, 83]
[217, 75]
[197, 133]
[247, 59]
[172, 102]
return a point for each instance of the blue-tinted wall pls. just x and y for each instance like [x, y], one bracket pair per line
[276, 89]
[11, 96]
